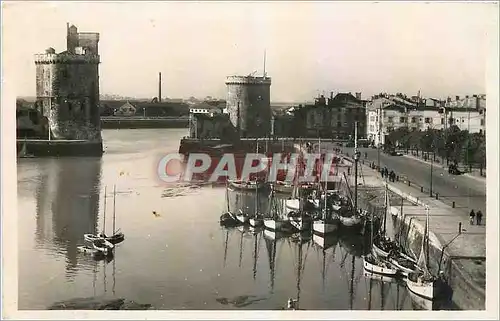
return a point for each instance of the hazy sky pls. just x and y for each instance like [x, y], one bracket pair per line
[439, 48]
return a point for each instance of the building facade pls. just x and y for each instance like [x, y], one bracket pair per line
[333, 117]
[385, 113]
[248, 104]
[67, 87]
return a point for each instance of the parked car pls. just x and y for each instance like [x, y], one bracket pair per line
[453, 169]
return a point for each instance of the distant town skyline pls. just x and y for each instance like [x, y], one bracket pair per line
[439, 49]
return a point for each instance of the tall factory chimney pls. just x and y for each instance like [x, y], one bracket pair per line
[159, 87]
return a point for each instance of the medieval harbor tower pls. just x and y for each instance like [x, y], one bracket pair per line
[67, 88]
[249, 104]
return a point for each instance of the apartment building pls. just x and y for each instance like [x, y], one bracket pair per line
[385, 113]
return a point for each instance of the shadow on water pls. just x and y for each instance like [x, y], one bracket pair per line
[67, 206]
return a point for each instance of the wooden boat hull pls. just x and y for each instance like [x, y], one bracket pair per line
[249, 186]
[424, 289]
[379, 252]
[322, 227]
[353, 221]
[276, 225]
[372, 267]
[405, 270]
[325, 241]
[283, 188]
[103, 246]
[114, 239]
[242, 218]
[255, 222]
[300, 223]
[273, 235]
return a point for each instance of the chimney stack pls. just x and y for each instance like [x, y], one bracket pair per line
[331, 94]
[358, 96]
[159, 87]
[457, 97]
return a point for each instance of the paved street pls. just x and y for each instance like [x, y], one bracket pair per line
[468, 193]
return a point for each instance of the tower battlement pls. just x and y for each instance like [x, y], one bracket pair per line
[67, 59]
[248, 80]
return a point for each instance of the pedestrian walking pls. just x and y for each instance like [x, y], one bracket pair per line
[479, 217]
[392, 176]
[472, 215]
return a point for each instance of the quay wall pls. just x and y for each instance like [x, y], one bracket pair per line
[54, 148]
[123, 123]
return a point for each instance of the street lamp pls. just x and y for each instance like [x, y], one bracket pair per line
[432, 165]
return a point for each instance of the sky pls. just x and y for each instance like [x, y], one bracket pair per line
[311, 48]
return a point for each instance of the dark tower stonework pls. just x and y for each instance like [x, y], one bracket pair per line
[249, 104]
[67, 87]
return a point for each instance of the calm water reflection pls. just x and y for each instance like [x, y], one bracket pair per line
[181, 258]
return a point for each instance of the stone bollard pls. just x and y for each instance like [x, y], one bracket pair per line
[409, 183]
[437, 197]
[453, 204]
[421, 189]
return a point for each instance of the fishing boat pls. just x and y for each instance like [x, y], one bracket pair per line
[275, 220]
[297, 217]
[382, 245]
[423, 283]
[328, 222]
[376, 265]
[373, 265]
[283, 187]
[227, 218]
[257, 219]
[117, 236]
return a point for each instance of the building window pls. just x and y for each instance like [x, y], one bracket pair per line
[413, 120]
[402, 119]
[339, 124]
[384, 114]
[391, 119]
[482, 122]
[428, 120]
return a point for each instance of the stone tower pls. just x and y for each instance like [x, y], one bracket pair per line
[67, 87]
[249, 104]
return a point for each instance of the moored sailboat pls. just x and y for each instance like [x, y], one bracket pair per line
[423, 283]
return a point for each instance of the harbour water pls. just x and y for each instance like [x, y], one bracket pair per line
[175, 254]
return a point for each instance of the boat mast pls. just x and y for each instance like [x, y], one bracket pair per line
[114, 208]
[104, 211]
[351, 290]
[386, 208]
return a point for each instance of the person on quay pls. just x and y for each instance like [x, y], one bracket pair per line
[479, 217]
[472, 215]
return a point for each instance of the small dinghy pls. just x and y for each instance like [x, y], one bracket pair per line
[85, 249]
[373, 265]
[103, 246]
[241, 217]
[113, 239]
[247, 185]
[283, 187]
[228, 220]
